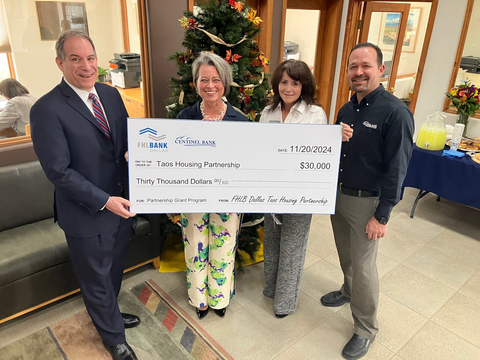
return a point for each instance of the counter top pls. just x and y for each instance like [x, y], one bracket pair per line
[133, 93]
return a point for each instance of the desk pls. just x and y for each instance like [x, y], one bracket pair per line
[453, 179]
[133, 100]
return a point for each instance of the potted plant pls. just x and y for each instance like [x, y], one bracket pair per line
[102, 74]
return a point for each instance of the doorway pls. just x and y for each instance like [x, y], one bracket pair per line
[383, 23]
[310, 31]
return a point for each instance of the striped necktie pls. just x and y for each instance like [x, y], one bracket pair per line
[99, 115]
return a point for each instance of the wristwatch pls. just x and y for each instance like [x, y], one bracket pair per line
[383, 220]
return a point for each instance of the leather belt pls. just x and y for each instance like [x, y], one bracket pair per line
[356, 192]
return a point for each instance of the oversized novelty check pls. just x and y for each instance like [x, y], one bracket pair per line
[226, 166]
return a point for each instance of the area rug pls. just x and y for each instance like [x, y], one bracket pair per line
[166, 332]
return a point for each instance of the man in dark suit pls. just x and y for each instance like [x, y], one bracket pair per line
[80, 141]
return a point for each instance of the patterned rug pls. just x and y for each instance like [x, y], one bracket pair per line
[166, 332]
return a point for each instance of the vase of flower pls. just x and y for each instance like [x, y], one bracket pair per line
[465, 98]
[463, 119]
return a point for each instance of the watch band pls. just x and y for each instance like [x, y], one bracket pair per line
[383, 220]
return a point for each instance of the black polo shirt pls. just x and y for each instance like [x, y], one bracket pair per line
[376, 158]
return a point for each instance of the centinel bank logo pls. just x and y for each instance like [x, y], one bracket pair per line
[188, 141]
[155, 143]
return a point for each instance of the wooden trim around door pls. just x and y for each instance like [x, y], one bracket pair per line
[353, 15]
[458, 56]
[282, 31]
[126, 36]
[398, 46]
[423, 57]
[145, 57]
[11, 66]
[264, 10]
[350, 40]
[326, 77]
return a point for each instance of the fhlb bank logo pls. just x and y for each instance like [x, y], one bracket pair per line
[155, 143]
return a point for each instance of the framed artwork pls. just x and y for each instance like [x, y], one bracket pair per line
[57, 16]
[389, 30]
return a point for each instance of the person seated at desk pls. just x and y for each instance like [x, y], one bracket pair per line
[16, 113]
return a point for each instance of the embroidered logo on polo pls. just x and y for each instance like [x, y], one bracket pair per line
[155, 143]
[371, 126]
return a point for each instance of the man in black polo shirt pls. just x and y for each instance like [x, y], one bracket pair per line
[373, 165]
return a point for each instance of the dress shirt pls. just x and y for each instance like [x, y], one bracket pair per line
[82, 94]
[376, 158]
[299, 113]
[17, 113]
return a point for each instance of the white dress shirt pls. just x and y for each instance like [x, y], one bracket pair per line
[299, 113]
[16, 113]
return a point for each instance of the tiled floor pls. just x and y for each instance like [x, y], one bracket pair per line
[429, 269]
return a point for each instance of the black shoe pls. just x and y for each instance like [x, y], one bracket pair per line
[356, 348]
[202, 313]
[334, 298]
[130, 320]
[220, 312]
[121, 352]
[281, 316]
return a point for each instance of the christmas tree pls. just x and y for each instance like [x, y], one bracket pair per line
[227, 28]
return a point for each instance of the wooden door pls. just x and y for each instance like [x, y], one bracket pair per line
[394, 23]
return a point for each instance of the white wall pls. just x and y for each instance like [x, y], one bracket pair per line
[133, 29]
[35, 59]
[438, 66]
[301, 27]
[472, 43]
[409, 60]
[440, 60]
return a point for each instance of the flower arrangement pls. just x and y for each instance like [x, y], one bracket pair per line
[465, 98]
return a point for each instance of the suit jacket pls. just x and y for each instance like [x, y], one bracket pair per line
[193, 112]
[83, 164]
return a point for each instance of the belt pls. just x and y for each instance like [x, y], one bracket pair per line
[356, 192]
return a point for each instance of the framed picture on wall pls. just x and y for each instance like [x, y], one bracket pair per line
[389, 29]
[57, 16]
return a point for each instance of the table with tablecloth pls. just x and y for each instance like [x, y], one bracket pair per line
[454, 179]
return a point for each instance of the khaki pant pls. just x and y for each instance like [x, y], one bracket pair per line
[358, 256]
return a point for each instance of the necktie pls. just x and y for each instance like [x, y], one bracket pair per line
[99, 115]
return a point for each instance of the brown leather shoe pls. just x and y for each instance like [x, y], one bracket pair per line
[333, 299]
[121, 352]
